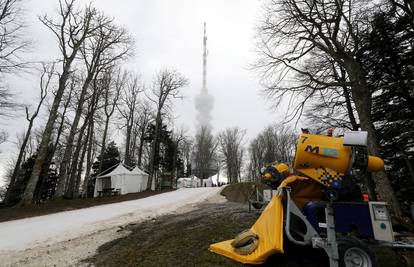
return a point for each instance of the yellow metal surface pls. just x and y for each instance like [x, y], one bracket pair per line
[269, 228]
[283, 169]
[290, 180]
[305, 190]
[375, 164]
[322, 158]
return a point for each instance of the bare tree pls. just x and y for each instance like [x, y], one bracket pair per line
[82, 142]
[112, 83]
[167, 85]
[71, 29]
[12, 46]
[205, 153]
[186, 148]
[108, 44]
[231, 147]
[129, 100]
[143, 120]
[45, 79]
[276, 143]
[298, 31]
[66, 102]
[12, 43]
[178, 137]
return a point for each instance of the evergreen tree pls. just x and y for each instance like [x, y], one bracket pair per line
[46, 186]
[389, 62]
[110, 159]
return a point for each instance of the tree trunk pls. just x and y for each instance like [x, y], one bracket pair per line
[18, 163]
[27, 197]
[128, 142]
[103, 145]
[153, 150]
[362, 99]
[62, 122]
[140, 150]
[350, 110]
[63, 176]
[88, 161]
[72, 175]
[80, 165]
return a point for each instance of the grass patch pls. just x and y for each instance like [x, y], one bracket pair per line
[183, 240]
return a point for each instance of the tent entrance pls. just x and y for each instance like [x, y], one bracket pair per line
[106, 183]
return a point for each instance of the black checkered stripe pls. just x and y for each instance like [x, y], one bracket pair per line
[327, 176]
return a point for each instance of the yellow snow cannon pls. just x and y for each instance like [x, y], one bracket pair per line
[325, 167]
[328, 159]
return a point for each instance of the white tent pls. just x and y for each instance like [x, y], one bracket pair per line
[188, 182]
[123, 180]
[143, 177]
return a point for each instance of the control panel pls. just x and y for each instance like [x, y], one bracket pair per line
[381, 221]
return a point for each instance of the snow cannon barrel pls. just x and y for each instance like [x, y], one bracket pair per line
[327, 159]
[317, 151]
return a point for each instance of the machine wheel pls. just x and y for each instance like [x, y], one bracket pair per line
[355, 253]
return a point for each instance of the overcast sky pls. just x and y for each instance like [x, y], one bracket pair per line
[169, 34]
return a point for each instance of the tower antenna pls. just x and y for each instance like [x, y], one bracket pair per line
[204, 88]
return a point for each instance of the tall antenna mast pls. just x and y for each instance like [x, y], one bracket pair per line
[204, 89]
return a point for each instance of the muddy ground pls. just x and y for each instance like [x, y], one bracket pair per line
[183, 240]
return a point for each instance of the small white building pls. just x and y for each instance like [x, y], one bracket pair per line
[122, 180]
[188, 182]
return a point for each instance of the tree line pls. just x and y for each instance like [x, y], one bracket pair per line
[90, 91]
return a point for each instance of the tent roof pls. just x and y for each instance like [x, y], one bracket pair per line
[188, 179]
[137, 170]
[119, 170]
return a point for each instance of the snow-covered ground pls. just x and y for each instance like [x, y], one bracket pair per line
[50, 230]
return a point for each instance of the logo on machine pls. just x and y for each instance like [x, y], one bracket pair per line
[325, 151]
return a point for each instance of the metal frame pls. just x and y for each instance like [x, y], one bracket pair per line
[329, 244]
[311, 237]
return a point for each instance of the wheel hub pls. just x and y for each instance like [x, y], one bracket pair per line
[356, 257]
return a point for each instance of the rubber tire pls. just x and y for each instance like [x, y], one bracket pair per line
[243, 238]
[248, 248]
[344, 244]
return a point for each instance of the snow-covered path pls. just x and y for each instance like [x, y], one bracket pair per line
[49, 229]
